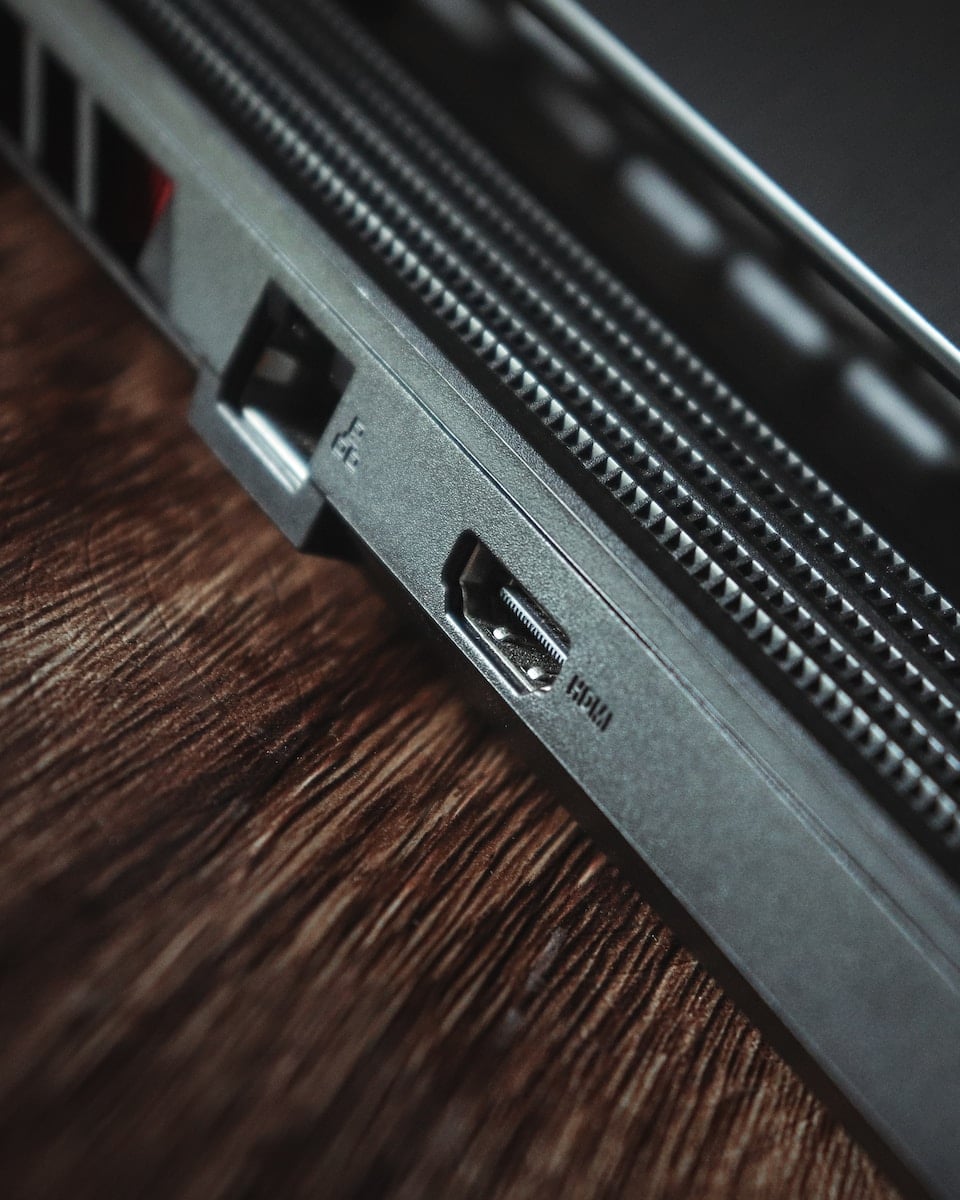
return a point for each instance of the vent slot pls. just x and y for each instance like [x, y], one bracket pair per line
[12, 50]
[58, 142]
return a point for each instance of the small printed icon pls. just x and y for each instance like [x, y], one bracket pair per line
[346, 445]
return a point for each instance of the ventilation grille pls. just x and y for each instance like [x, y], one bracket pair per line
[833, 618]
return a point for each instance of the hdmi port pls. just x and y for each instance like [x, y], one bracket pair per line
[500, 616]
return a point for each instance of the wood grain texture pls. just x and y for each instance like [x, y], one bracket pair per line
[278, 915]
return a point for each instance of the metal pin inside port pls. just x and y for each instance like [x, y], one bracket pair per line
[500, 616]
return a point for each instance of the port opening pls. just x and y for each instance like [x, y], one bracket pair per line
[500, 616]
[132, 194]
[12, 52]
[58, 141]
[285, 379]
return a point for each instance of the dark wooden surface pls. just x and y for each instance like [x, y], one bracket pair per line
[278, 915]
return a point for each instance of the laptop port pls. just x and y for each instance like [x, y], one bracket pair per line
[132, 193]
[58, 148]
[497, 613]
[12, 51]
[285, 380]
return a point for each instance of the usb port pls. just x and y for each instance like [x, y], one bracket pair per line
[499, 615]
[132, 193]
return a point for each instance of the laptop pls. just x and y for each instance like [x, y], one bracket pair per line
[622, 341]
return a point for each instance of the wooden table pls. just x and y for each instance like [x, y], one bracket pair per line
[278, 915]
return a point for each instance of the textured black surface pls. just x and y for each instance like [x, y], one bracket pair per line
[852, 107]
